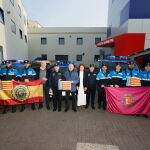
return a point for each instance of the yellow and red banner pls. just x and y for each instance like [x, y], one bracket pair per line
[64, 85]
[16, 93]
[6, 85]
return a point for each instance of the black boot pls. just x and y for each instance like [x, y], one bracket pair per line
[86, 106]
[47, 107]
[13, 108]
[22, 108]
[40, 105]
[145, 116]
[33, 106]
[5, 110]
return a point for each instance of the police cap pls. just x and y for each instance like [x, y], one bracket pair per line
[103, 64]
[7, 62]
[131, 63]
[56, 65]
[26, 62]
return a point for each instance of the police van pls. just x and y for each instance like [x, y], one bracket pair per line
[111, 62]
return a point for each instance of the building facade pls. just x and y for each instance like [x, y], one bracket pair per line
[66, 43]
[13, 30]
[128, 26]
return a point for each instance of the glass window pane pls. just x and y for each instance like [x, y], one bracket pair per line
[61, 41]
[43, 41]
[97, 39]
[79, 41]
[1, 16]
[13, 26]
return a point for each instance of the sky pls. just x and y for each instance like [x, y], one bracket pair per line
[68, 13]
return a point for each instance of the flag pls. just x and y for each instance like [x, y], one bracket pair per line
[22, 93]
[133, 81]
[128, 100]
[6, 85]
[64, 85]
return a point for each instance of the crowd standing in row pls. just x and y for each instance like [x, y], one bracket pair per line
[83, 83]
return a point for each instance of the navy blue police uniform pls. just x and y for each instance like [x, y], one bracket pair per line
[53, 84]
[91, 88]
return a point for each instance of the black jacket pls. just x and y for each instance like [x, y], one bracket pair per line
[54, 78]
[91, 79]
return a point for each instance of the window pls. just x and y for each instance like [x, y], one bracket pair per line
[44, 56]
[13, 27]
[43, 41]
[79, 58]
[61, 41]
[79, 41]
[97, 39]
[25, 37]
[1, 16]
[20, 32]
[12, 1]
[19, 10]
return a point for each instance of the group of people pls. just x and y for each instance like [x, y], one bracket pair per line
[84, 84]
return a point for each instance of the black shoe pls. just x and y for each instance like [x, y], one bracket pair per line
[59, 110]
[33, 106]
[22, 108]
[86, 106]
[93, 107]
[13, 109]
[145, 116]
[99, 107]
[74, 110]
[65, 110]
[104, 108]
[47, 107]
[54, 109]
[40, 106]
[4, 110]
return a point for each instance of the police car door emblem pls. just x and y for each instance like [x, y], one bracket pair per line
[20, 92]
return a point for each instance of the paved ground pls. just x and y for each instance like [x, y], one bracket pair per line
[47, 130]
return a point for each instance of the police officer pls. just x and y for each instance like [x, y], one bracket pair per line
[145, 76]
[130, 71]
[7, 74]
[91, 86]
[145, 79]
[55, 76]
[117, 77]
[102, 81]
[28, 74]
